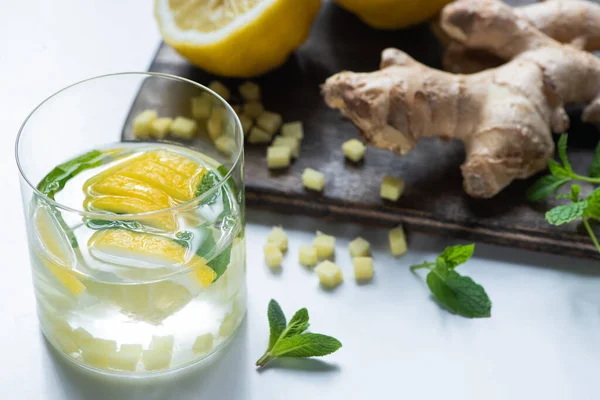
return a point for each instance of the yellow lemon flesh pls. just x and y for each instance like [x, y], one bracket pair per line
[121, 243]
[237, 38]
[393, 14]
[148, 182]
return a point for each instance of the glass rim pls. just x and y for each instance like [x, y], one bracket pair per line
[237, 160]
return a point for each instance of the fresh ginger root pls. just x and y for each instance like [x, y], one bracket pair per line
[504, 116]
[573, 22]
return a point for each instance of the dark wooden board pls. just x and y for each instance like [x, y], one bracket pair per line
[434, 201]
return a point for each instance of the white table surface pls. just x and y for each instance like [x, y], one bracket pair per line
[542, 342]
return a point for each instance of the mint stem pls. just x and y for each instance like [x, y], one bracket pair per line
[428, 265]
[264, 360]
[588, 228]
[586, 178]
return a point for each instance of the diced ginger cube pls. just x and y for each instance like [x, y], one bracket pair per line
[292, 143]
[220, 89]
[81, 336]
[184, 127]
[228, 325]
[202, 106]
[258, 136]
[127, 358]
[324, 244]
[363, 268]
[96, 352]
[391, 188]
[203, 343]
[250, 90]
[354, 150]
[293, 129]
[160, 127]
[273, 255]
[278, 157]
[216, 123]
[397, 241]
[155, 359]
[224, 144]
[246, 122]
[313, 179]
[142, 123]
[253, 109]
[162, 342]
[269, 122]
[65, 341]
[359, 247]
[330, 275]
[279, 238]
[307, 255]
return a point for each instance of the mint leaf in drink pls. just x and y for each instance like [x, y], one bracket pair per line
[209, 180]
[219, 263]
[564, 214]
[453, 256]
[457, 293]
[594, 171]
[290, 340]
[545, 186]
[55, 181]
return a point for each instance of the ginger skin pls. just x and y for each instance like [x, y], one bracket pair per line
[505, 116]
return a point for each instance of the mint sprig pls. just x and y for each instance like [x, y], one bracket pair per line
[586, 208]
[459, 294]
[291, 340]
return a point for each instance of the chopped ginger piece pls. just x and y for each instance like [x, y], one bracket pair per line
[162, 343]
[203, 343]
[216, 123]
[65, 341]
[220, 89]
[391, 188]
[155, 359]
[225, 144]
[324, 244]
[96, 352]
[202, 106]
[184, 127]
[293, 129]
[313, 179]
[397, 241]
[307, 255]
[143, 122]
[253, 109]
[127, 358]
[250, 90]
[160, 127]
[81, 336]
[279, 238]
[363, 268]
[257, 136]
[247, 123]
[292, 143]
[278, 157]
[228, 325]
[330, 275]
[269, 122]
[359, 247]
[354, 150]
[273, 255]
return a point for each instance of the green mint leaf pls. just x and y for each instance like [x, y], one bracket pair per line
[557, 170]
[595, 166]
[562, 152]
[459, 294]
[564, 214]
[306, 345]
[209, 180]
[453, 256]
[593, 205]
[575, 191]
[219, 263]
[545, 186]
[277, 322]
[55, 181]
[298, 324]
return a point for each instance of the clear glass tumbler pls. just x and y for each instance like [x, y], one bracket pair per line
[133, 195]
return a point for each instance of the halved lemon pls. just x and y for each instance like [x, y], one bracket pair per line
[238, 38]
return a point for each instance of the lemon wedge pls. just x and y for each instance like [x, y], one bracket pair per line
[239, 38]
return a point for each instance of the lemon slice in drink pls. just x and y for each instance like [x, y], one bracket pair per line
[240, 38]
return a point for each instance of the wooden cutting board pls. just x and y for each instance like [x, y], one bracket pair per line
[434, 201]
